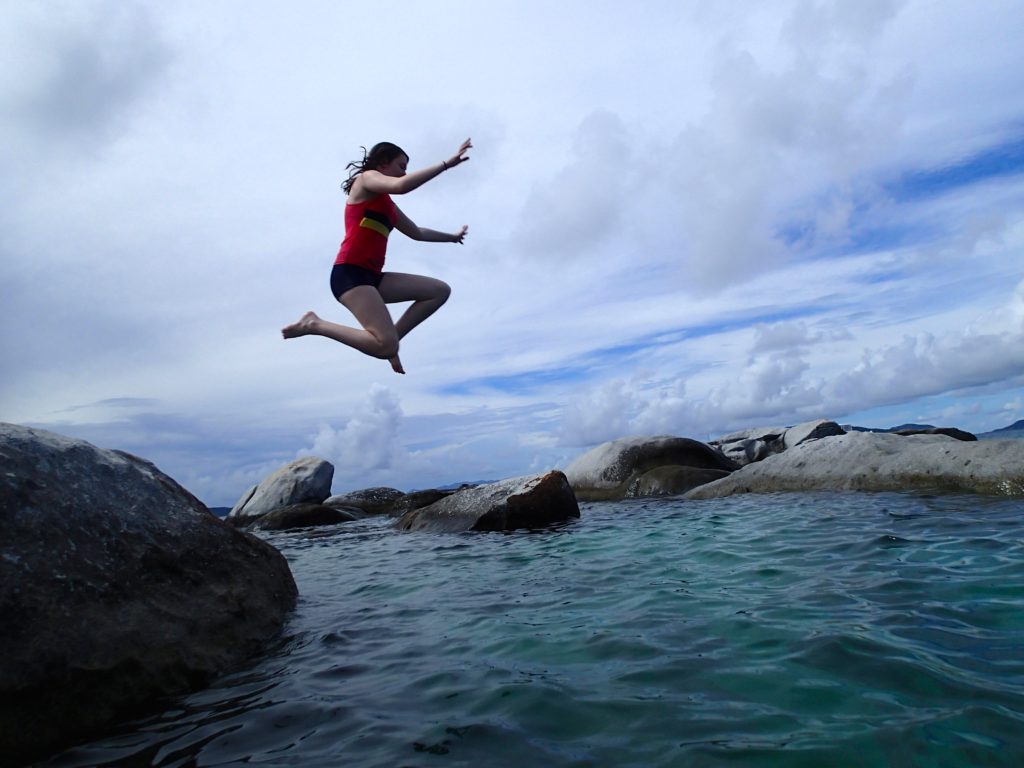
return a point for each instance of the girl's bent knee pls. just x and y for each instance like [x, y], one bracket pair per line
[388, 348]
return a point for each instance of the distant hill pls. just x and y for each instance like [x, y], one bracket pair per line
[1015, 432]
[220, 511]
[1017, 426]
[851, 428]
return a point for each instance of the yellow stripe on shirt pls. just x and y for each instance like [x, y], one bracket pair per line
[376, 226]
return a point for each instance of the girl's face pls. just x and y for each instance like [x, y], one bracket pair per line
[396, 167]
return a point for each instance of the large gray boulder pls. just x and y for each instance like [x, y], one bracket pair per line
[304, 480]
[615, 469]
[117, 586]
[871, 461]
[534, 501]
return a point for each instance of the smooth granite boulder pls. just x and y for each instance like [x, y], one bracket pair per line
[304, 480]
[117, 587]
[610, 470]
[305, 516]
[873, 461]
[534, 501]
[372, 501]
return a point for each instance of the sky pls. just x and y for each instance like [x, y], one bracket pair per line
[685, 218]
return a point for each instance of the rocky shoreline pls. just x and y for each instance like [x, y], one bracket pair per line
[816, 455]
[117, 586]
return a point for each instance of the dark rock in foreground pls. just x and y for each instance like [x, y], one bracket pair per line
[872, 461]
[117, 586]
[619, 469]
[524, 502]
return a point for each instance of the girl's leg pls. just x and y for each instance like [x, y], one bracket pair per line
[426, 293]
[377, 338]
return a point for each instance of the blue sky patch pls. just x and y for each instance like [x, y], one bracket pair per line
[1005, 159]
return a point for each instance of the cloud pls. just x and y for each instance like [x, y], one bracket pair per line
[367, 443]
[785, 379]
[799, 124]
[577, 209]
[926, 364]
[815, 27]
[599, 415]
[790, 335]
[82, 69]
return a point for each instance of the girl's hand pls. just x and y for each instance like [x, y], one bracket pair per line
[458, 156]
[461, 234]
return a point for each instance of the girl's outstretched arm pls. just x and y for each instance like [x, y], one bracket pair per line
[409, 228]
[377, 183]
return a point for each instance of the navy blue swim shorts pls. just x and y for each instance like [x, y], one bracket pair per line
[347, 276]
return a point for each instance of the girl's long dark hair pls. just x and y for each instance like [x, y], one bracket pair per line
[380, 154]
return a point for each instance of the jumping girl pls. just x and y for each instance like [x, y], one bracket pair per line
[357, 280]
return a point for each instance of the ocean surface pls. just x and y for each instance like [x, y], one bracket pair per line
[826, 629]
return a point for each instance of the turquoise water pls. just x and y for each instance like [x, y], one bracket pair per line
[779, 630]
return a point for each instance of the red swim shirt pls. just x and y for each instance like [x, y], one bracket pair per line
[367, 226]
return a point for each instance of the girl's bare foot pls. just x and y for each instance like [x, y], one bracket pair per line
[302, 327]
[396, 364]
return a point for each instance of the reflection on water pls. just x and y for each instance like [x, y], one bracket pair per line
[813, 629]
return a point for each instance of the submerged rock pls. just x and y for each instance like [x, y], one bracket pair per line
[873, 461]
[305, 516]
[420, 499]
[117, 586]
[534, 501]
[611, 470]
[372, 501]
[670, 481]
[305, 480]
